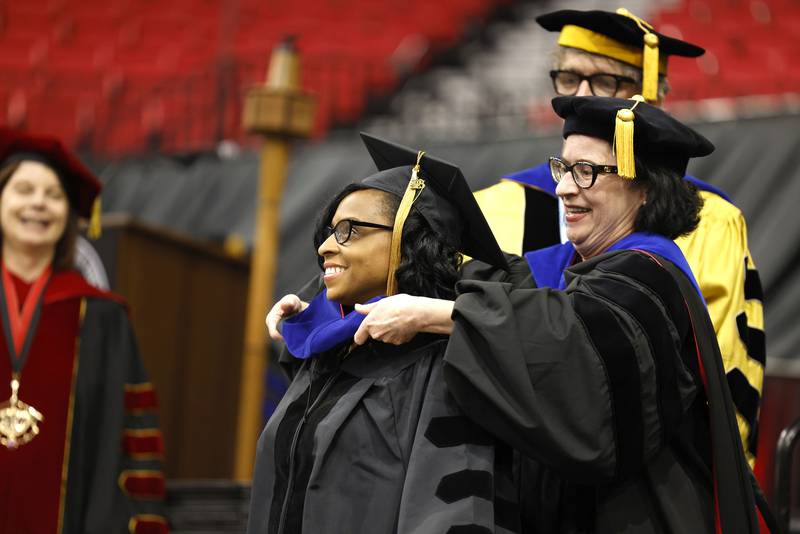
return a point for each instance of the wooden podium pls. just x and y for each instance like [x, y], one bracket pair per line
[187, 303]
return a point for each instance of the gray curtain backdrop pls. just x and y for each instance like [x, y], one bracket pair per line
[757, 162]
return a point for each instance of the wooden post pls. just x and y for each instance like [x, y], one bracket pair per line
[279, 111]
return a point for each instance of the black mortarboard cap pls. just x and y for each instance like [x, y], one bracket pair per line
[657, 137]
[446, 202]
[618, 27]
[621, 36]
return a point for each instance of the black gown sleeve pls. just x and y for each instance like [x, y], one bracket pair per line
[518, 272]
[116, 481]
[589, 379]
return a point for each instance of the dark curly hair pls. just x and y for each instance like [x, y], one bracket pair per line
[428, 266]
[673, 203]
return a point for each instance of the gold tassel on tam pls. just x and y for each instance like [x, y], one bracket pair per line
[650, 68]
[650, 61]
[623, 141]
[414, 189]
[95, 225]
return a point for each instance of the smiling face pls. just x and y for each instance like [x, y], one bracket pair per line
[357, 270]
[598, 217]
[33, 208]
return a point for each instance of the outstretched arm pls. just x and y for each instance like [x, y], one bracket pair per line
[292, 304]
[286, 307]
[590, 380]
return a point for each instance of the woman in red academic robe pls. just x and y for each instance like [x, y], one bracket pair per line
[80, 449]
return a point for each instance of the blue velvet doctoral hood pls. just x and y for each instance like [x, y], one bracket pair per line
[320, 327]
[548, 264]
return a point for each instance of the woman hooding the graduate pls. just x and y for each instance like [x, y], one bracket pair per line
[80, 450]
[367, 439]
[601, 367]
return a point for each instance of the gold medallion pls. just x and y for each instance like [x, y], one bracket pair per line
[19, 423]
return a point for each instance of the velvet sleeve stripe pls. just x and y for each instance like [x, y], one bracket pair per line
[143, 484]
[464, 484]
[147, 524]
[753, 339]
[145, 444]
[619, 359]
[664, 347]
[140, 398]
[746, 399]
[452, 430]
[752, 285]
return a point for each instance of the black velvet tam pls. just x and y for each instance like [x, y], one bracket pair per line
[446, 202]
[618, 27]
[658, 137]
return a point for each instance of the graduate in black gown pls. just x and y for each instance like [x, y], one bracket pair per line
[601, 368]
[367, 438]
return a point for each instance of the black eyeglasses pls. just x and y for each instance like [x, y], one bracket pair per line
[344, 228]
[583, 172]
[566, 82]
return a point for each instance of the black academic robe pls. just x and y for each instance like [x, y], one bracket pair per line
[95, 467]
[612, 391]
[522, 209]
[370, 442]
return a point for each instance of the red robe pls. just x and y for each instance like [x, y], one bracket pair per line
[95, 466]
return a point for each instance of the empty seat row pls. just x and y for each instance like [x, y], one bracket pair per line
[129, 54]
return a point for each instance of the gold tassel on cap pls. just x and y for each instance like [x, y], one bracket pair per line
[414, 189]
[95, 225]
[623, 141]
[650, 68]
[650, 64]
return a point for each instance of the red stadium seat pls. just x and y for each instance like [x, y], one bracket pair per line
[751, 45]
[138, 57]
